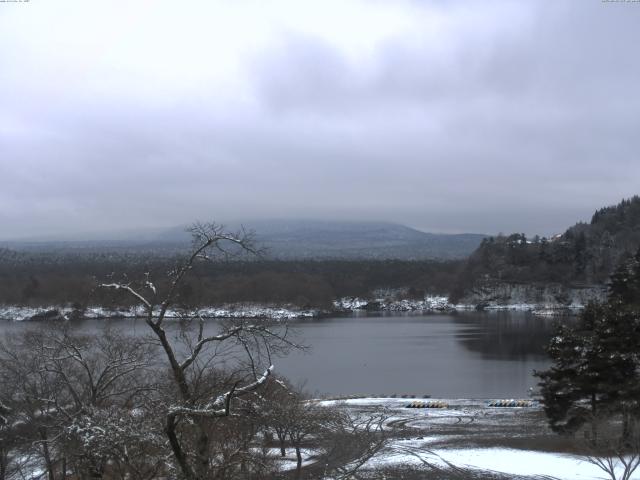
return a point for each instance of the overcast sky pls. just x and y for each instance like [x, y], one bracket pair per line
[470, 116]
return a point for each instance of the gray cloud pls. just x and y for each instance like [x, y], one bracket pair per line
[487, 117]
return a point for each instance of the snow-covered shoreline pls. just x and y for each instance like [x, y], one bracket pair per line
[442, 304]
[346, 305]
[27, 313]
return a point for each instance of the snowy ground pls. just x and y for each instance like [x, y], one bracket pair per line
[469, 434]
[499, 460]
[289, 461]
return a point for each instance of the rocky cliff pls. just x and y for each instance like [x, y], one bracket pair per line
[496, 294]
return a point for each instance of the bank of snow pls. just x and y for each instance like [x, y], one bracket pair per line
[385, 301]
[427, 304]
[544, 299]
[23, 313]
[442, 304]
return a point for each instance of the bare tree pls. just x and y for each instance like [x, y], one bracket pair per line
[33, 389]
[309, 422]
[6, 442]
[614, 448]
[61, 384]
[354, 440]
[279, 400]
[117, 443]
[187, 420]
[296, 420]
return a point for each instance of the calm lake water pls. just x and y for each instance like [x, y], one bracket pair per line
[470, 354]
[467, 354]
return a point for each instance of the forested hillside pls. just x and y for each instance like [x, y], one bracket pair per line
[585, 254]
[52, 279]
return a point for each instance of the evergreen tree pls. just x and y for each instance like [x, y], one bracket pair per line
[586, 377]
[596, 365]
[624, 289]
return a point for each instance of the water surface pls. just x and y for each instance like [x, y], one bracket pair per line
[470, 354]
[461, 355]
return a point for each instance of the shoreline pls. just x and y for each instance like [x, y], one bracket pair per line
[350, 305]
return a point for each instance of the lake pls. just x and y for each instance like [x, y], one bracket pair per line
[465, 354]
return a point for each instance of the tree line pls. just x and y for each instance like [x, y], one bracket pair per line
[306, 283]
[585, 254]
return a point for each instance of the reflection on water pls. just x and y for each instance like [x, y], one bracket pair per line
[505, 335]
[471, 354]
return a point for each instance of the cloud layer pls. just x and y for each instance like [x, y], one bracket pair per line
[447, 116]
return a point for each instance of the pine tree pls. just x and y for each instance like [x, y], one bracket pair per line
[624, 289]
[596, 365]
[585, 378]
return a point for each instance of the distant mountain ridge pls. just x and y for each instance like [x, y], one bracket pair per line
[360, 240]
[294, 239]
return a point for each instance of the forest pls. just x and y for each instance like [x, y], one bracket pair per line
[585, 254]
[26, 279]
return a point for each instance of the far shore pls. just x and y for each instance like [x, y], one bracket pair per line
[438, 304]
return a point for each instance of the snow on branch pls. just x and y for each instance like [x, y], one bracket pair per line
[4, 410]
[149, 284]
[127, 288]
[220, 406]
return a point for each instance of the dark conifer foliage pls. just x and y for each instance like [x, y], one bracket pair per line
[596, 367]
[584, 254]
[48, 279]
[624, 289]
